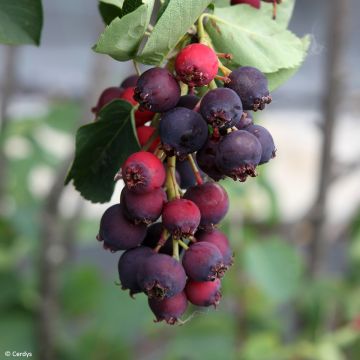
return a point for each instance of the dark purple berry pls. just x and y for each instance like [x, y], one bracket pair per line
[161, 276]
[204, 293]
[186, 173]
[117, 232]
[266, 141]
[182, 131]
[157, 90]
[203, 262]
[129, 264]
[221, 108]
[220, 240]
[143, 172]
[246, 120]
[130, 81]
[169, 309]
[212, 201]
[205, 158]
[238, 154]
[252, 87]
[181, 217]
[144, 208]
[153, 236]
[188, 101]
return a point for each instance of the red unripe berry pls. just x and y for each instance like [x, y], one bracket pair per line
[203, 262]
[196, 65]
[169, 309]
[181, 217]
[108, 95]
[141, 116]
[212, 201]
[204, 293]
[220, 240]
[143, 172]
[145, 208]
[161, 276]
[254, 3]
[117, 232]
[144, 133]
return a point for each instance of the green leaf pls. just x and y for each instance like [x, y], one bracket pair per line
[177, 18]
[122, 38]
[20, 22]
[254, 39]
[109, 12]
[101, 149]
[281, 76]
[275, 267]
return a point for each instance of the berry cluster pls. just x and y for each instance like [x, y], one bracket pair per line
[182, 257]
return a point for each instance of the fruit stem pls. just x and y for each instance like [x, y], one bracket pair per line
[274, 9]
[224, 79]
[155, 120]
[192, 239]
[195, 169]
[164, 236]
[213, 85]
[171, 184]
[150, 141]
[183, 245]
[137, 69]
[176, 254]
[226, 71]
[226, 56]
[184, 88]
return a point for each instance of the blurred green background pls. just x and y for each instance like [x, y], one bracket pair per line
[293, 292]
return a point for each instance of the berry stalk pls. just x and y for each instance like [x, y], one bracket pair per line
[195, 169]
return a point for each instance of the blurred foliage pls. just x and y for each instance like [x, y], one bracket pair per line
[271, 309]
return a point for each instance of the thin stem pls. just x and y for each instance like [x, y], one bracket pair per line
[192, 239]
[226, 56]
[171, 184]
[226, 71]
[183, 245]
[164, 236]
[136, 66]
[200, 28]
[224, 79]
[195, 169]
[155, 120]
[213, 85]
[176, 254]
[172, 167]
[184, 88]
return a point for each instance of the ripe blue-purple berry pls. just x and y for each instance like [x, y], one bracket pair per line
[238, 154]
[182, 131]
[203, 262]
[129, 264]
[221, 108]
[157, 90]
[161, 276]
[252, 87]
[266, 141]
[117, 232]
